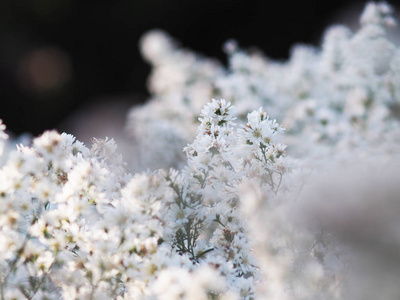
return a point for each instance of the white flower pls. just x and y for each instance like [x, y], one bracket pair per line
[219, 110]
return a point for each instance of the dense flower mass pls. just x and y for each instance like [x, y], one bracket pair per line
[342, 97]
[250, 209]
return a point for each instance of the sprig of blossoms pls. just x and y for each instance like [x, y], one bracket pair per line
[76, 225]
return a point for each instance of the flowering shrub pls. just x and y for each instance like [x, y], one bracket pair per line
[340, 98]
[236, 218]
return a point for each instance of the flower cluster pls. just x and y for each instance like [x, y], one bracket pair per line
[232, 216]
[340, 98]
[76, 225]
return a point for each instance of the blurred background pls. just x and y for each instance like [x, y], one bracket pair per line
[73, 64]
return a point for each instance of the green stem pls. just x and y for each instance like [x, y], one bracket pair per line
[205, 252]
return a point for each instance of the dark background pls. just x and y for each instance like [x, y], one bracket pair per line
[58, 55]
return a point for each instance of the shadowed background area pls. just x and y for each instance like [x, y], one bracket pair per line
[59, 58]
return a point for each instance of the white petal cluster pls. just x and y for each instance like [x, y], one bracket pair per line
[333, 100]
[181, 83]
[75, 225]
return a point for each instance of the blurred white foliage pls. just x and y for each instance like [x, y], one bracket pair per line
[333, 100]
[3, 136]
[360, 206]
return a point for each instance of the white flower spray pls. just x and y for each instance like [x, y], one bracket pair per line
[234, 215]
